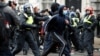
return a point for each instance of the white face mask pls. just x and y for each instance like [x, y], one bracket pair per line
[65, 12]
[87, 12]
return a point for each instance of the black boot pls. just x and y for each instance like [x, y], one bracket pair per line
[25, 52]
[81, 51]
[90, 54]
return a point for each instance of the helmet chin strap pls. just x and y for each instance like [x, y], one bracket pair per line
[29, 14]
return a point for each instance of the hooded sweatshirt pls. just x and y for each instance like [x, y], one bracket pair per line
[54, 9]
[57, 23]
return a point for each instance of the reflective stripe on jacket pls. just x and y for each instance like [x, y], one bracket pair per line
[86, 19]
[29, 19]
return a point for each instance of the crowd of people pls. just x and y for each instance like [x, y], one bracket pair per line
[58, 30]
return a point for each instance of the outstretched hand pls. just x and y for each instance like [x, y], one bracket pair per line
[66, 21]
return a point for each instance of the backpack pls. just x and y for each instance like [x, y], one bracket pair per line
[3, 28]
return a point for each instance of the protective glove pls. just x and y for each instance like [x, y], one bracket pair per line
[89, 29]
[29, 26]
[80, 26]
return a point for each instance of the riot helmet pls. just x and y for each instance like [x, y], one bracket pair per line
[28, 8]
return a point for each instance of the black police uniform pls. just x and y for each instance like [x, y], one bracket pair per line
[98, 25]
[75, 33]
[88, 34]
[26, 34]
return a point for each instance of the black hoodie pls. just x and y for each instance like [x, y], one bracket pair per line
[54, 9]
[57, 23]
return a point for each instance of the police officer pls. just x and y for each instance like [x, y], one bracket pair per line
[75, 33]
[26, 28]
[56, 28]
[11, 20]
[37, 18]
[88, 30]
[98, 25]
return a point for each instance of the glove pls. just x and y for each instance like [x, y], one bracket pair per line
[29, 26]
[89, 29]
[80, 26]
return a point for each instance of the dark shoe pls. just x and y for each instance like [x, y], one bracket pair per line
[24, 52]
[81, 51]
[54, 51]
[90, 54]
[76, 49]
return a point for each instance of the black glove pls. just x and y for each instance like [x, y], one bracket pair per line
[71, 28]
[89, 29]
[80, 26]
[28, 26]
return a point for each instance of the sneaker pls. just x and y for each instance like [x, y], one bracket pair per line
[81, 51]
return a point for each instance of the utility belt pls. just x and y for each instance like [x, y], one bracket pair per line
[28, 29]
[24, 30]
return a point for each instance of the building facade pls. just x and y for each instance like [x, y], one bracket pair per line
[81, 4]
[93, 3]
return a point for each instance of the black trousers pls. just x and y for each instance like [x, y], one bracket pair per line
[98, 28]
[25, 48]
[27, 36]
[5, 51]
[36, 36]
[87, 41]
[74, 37]
[56, 38]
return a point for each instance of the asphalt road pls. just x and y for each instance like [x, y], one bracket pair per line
[73, 53]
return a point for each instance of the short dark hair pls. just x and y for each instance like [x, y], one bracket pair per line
[10, 2]
[54, 7]
[1, 0]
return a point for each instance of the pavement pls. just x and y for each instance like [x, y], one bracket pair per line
[96, 53]
[73, 53]
[97, 42]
